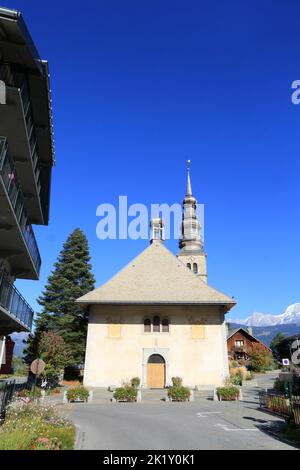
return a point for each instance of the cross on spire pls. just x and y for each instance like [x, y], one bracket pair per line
[189, 186]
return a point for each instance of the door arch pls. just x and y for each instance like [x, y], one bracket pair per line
[156, 371]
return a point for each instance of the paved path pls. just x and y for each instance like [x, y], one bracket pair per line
[157, 425]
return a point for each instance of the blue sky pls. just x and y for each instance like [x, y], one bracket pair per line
[140, 86]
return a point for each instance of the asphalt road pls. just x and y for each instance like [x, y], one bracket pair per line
[156, 425]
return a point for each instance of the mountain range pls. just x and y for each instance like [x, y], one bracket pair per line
[265, 326]
[290, 316]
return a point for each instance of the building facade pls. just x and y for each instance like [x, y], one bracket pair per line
[26, 161]
[158, 318]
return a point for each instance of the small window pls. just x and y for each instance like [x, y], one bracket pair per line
[165, 326]
[195, 268]
[156, 324]
[189, 266]
[147, 325]
[239, 343]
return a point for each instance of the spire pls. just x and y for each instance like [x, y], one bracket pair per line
[189, 186]
[190, 228]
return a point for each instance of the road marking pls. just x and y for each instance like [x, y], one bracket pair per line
[224, 427]
[203, 414]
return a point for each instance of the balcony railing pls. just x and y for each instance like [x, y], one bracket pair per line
[30, 131]
[240, 349]
[9, 178]
[12, 301]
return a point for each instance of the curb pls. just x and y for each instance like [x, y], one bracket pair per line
[79, 438]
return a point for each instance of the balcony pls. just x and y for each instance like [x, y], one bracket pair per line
[16, 125]
[15, 313]
[17, 240]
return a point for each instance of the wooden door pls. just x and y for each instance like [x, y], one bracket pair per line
[156, 375]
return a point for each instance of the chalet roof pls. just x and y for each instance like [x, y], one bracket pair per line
[156, 276]
[233, 332]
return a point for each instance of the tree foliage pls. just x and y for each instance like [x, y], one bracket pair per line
[275, 344]
[260, 358]
[70, 279]
[54, 352]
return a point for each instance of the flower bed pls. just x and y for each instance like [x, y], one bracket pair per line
[228, 393]
[33, 427]
[126, 393]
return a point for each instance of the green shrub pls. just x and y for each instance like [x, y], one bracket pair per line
[126, 393]
[260, 359]
[179, 393]
[237, 379]
[135, 382]
[79, 393]
[228, 393]
[249, 375]
[176, 381]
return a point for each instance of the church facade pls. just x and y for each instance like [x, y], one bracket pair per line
[158, 318]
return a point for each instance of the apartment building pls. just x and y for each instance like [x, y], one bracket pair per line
[26, 161]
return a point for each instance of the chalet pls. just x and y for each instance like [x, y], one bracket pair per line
[240, 343]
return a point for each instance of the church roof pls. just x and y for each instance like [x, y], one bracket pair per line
[156, 276]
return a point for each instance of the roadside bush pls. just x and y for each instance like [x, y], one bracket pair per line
[228, 393]
[237, 379]
[126, 393]
[179, 393]
[79, 393]
[135, 382]
[278, 404]
[33, 427]
[249, 375]
[260, 359]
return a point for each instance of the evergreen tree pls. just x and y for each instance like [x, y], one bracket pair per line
[276, 344]
[71, 278]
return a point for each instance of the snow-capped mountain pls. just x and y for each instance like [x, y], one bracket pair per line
[291, 315]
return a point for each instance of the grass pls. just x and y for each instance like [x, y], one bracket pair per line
[34, 427]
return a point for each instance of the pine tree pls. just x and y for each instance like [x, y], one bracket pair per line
[71, 278]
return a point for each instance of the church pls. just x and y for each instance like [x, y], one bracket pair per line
[158, 318]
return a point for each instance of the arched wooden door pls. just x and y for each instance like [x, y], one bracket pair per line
[156, 371]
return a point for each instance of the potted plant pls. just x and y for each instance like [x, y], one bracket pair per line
[228, 393]
[177, 392]
[127, 393]
[135, 382]
[77, 394]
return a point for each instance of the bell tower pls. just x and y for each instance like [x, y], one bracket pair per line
[192, 252]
